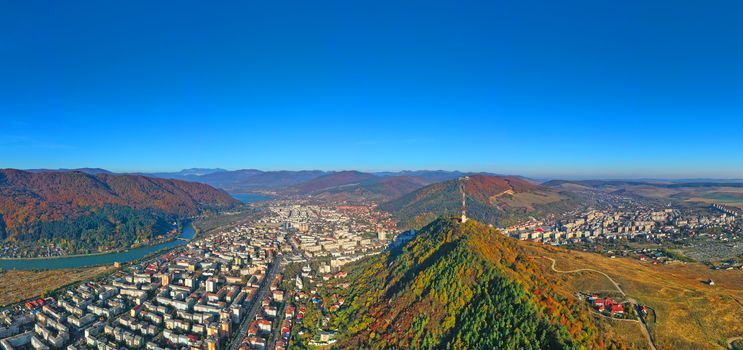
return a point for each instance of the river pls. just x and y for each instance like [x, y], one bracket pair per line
[109, 258]
[250, 197]
[96, 259]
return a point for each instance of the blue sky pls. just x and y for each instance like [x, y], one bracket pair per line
[609, 89]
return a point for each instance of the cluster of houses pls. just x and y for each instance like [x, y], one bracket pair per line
[194, 297]
[607, 305]
[306, 293]
[620, 221]
[333, 231]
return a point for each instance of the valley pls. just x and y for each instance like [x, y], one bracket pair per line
[334, 265]
[371, 175]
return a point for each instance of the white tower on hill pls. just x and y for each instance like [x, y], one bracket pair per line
[464, 198]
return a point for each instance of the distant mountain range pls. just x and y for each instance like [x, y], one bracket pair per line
[417, 196]
[189, 172]
[340, 186]
[696, 193]
[93, 209]
[494, 200]
[432, 175]
[301, 181]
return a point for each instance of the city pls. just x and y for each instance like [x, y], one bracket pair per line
[708, 234]
[248, 286]
[219, 291]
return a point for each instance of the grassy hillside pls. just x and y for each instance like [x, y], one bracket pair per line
[690, 313]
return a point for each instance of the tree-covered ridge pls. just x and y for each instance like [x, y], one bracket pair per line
[98, 229]
[460, 286]
[490, 199]
[356, 187]
[97, 212]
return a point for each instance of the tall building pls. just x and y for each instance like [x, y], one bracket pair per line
[211, 285]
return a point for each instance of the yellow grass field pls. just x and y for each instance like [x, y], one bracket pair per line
[20, 285]
[691, 314]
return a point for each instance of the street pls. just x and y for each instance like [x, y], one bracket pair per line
[242, 330]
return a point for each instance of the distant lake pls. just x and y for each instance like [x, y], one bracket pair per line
[94, 260]
[250, 197]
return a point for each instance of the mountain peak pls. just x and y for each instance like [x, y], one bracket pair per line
[461, 285]
[491, 199]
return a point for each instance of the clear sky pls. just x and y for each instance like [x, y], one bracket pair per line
[589, 88]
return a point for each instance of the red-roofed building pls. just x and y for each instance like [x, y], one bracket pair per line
[253, 328]
[264, 325]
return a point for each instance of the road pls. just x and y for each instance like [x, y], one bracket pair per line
[643, 325]
[644, 328]
[616, 285]
[255, 304]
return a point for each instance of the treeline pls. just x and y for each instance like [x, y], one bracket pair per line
[108, 227]
[502, 317]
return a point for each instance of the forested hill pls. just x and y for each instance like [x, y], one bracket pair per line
[76, 206]
[497, 200]
[461, 286]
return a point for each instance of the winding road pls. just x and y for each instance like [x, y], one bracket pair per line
[616, 285]
[643, 325]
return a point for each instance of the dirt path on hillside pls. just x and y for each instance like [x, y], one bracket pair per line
[643, 325]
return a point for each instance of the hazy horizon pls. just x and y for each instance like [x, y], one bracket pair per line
[606, 177]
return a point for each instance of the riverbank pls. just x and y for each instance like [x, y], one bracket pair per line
[114, 251]
[96, 259]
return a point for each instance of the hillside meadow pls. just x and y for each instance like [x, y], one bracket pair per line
[690, 313]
